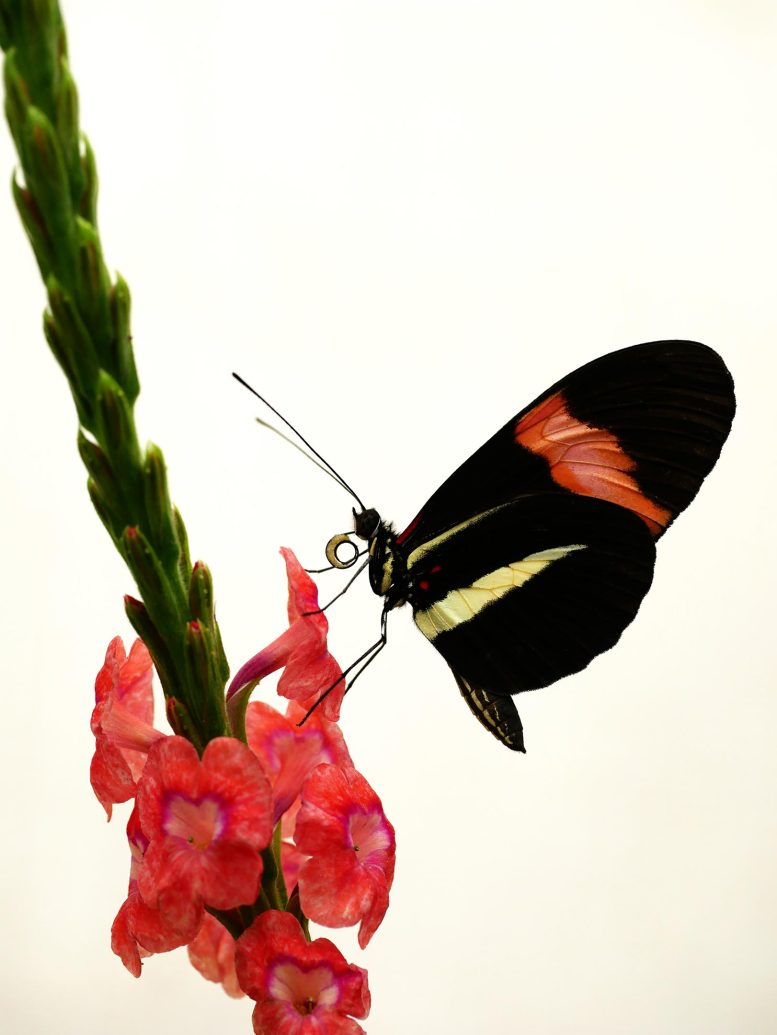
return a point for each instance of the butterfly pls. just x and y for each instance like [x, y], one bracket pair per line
[534, 555]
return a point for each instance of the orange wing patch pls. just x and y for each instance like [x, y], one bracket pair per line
[586, 460]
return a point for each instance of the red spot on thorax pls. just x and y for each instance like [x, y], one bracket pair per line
[586, 459]
[409, 530]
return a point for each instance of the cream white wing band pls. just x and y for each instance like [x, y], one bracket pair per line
[420, 551]
[460, 605]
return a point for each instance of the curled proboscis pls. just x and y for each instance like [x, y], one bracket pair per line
[333, 551]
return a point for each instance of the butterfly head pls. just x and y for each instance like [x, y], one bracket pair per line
[366, 523]
[342, 551]
[386, 578]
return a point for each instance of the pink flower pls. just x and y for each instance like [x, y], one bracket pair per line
[343, 828]
[309, 668]
[207, 821]
[121, 722]
[300, 988]
[139, 930]
[212, 953]
[289, 752]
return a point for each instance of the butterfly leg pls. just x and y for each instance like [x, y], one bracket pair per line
[345, 589]
[370, 654]
[373, 651]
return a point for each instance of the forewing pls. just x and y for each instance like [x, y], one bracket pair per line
[529, 592]
[641, 428]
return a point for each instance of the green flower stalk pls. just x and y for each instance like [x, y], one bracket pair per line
[212, 867]
[87, 326]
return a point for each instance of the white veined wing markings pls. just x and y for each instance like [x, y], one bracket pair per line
[460, 605]
[436, 621]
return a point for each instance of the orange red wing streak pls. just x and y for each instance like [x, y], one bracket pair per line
[586, 460]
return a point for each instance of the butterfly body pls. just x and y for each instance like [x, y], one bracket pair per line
[535, 554]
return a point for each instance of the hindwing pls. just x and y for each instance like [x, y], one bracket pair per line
[527, 593]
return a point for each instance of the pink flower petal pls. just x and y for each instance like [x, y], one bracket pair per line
[287, 752]
[110, 776]
[206, 822]
[343, 830]
[310, 670]
[212, 953]
[121, 722]
[300, 988]
[138, 930]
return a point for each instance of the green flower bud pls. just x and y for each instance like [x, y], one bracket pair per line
[67, 128]
[87, 203]
[159, 509]
[74, 341]
[63, 357]
[17, 100]
[46, 176]
[123, 358]
[117, 433]
[205, 697]
[35, 228]
[202, 608]
[94, 287]
[184, 562]
[99, 468]
[181, 722]
[197, 655]
[41, 19]
[109, 516]
[141, 622]
[160, 596]
[201, 594]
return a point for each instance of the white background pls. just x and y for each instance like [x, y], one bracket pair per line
[403, 221]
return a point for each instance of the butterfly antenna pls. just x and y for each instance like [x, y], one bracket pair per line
[298, 447]
[326, 465]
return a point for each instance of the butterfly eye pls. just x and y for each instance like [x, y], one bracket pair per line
[333, 550]
[366, 524]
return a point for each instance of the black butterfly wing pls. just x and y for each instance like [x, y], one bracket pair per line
[528, 592]
[641, 427]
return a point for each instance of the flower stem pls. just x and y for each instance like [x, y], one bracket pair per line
[87, 326]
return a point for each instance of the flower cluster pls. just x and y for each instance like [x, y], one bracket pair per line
[233, 851]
